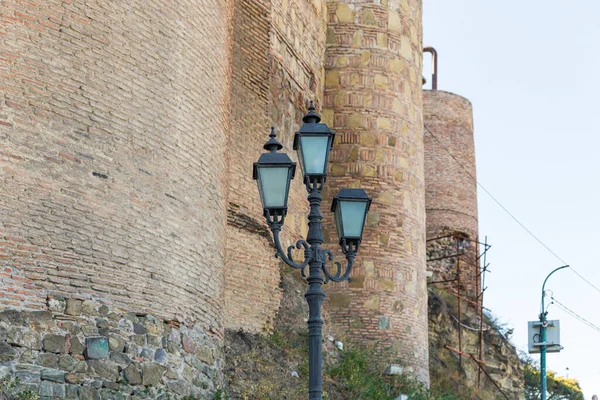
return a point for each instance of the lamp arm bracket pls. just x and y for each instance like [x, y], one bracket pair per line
[289, 260]
[338, 276]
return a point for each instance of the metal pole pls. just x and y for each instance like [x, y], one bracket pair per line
[543, 313]
[459, 298]
[315, 295]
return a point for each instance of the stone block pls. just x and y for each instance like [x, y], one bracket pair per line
[139, 329]
[332, 78]
[74, 378]
[120, 358]
[152, 374]
[394, 21]
[14, 317]
[88, 393]
[188, 344]
[373, 218]
[205, 355]
[105, 369]
[54, 343]
[338, 170]
[357, 38]
[339, 300]
[132, 375]
[45, 389]
[90, 308]
[383, 323]
[386, 197]
[71, 392]
[161, 356]
[116, 343]
[386, 284]
[356, 323]
[74, 307]
[344, 13]
[382, 40]
[368, 18]
[154, 340]
[67, 363]
[381, 81]
[147, 354]
[394, 370]
[96, 347]
[77, 348]
[372, 303]
[365, 58]
[53, 375]
[357, 281]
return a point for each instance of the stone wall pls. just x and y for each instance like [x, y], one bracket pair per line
[277, 69]
[453, 264]
[89, 350]
[373, 101]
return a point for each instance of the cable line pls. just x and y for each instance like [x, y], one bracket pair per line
[574, 314]
[509, 213]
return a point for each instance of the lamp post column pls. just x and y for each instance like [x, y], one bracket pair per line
[543, 347]
[315, 295]
[543, 355]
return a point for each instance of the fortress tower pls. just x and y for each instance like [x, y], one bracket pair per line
[451, 192]
[373, 101]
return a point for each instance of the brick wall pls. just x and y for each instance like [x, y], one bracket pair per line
[113, 121]
[451, 192]
[373, 100]
[277, 68]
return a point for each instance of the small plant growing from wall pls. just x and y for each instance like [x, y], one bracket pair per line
[10, 389]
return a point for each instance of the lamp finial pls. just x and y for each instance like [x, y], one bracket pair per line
[312, 117]
[272, 144]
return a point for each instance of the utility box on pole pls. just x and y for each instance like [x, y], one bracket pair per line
[552, 336]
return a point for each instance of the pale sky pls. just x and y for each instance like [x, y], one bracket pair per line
[531, 68]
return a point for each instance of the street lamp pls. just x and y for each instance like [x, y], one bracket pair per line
[543, 326]
[273, 172]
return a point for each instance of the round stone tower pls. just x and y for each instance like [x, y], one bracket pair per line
[450, 187]
[451, 193]
[373, 101]
[114, 126]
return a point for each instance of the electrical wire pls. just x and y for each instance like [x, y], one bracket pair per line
[574, 314]
[509, 213]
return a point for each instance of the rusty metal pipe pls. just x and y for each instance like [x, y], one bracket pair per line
[434, 63]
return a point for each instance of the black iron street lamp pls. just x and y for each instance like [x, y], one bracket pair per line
[274, 171]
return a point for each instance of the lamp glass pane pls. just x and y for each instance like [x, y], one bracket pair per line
[338, 222]
[314, 153]
[273, 185]
[353, 217]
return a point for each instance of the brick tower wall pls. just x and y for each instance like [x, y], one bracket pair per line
[278, 48]
[114, 120]
[373, 100]
[451, 191]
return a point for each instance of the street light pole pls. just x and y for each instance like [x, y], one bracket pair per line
[274, 171]
[543, 347]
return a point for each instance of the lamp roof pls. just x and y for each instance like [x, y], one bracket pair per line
[351, 195]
